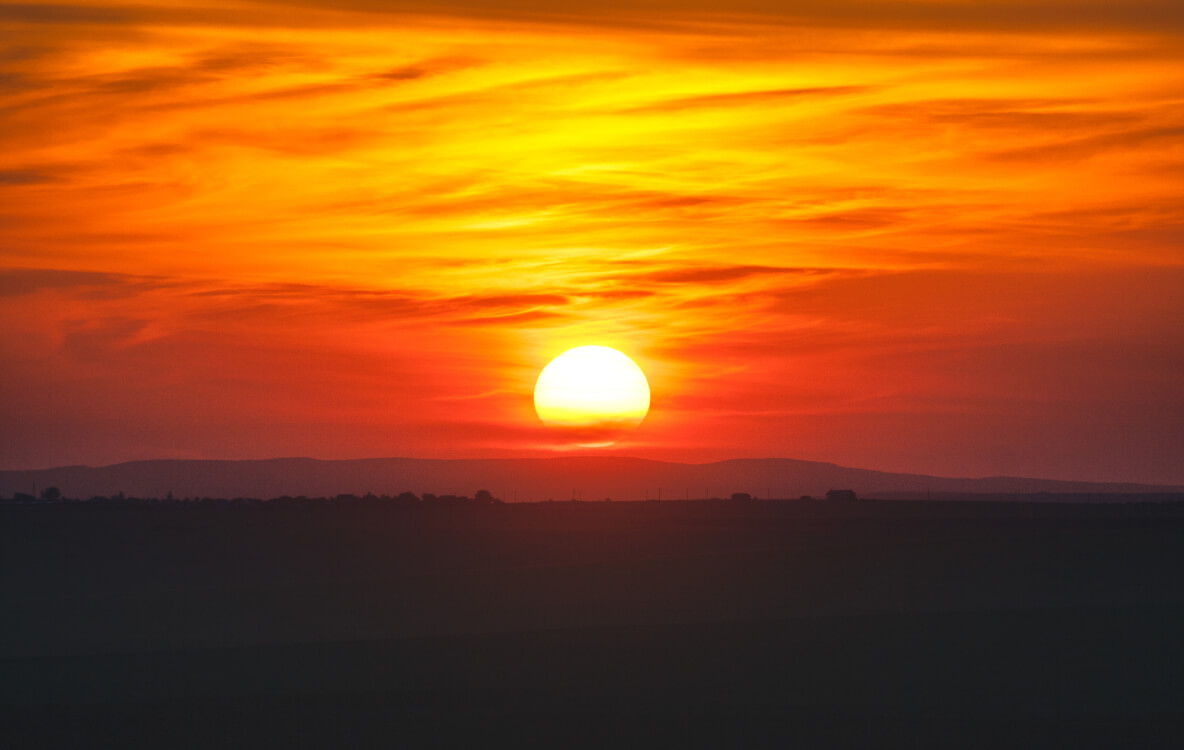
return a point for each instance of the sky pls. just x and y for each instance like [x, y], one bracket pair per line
[939, 237]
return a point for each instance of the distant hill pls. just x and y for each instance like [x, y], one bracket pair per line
[586, 477]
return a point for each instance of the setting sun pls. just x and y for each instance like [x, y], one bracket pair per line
[593, 392]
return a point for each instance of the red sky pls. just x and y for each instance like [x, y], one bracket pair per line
[940, 237]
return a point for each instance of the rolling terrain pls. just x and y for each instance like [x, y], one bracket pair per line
[585, 477]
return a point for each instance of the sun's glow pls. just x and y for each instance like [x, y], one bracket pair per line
[594, 393]
[358, 229]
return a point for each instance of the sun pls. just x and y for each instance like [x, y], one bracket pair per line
[593, 394]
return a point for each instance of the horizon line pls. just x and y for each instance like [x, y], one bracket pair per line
[1176, 486]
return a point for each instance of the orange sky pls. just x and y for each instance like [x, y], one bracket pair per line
[941, 237]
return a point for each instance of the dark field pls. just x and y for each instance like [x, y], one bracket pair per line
[709, 624]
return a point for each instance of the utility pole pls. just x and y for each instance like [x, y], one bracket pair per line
[659, 494]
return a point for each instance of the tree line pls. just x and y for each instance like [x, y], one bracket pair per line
[482, 498]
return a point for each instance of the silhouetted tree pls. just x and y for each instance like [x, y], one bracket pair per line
[484, 497]
[407, 498]
[51, 494]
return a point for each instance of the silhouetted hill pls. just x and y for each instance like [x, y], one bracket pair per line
[586, 477]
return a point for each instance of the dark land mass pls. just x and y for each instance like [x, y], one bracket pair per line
[704, 624]
[583, 477]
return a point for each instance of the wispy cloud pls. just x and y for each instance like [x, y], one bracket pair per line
[701, 275]
[747, 98]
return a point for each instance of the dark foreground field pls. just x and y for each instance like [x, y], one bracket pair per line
[724, 625]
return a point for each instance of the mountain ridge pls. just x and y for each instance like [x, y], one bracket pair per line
[522, 479]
